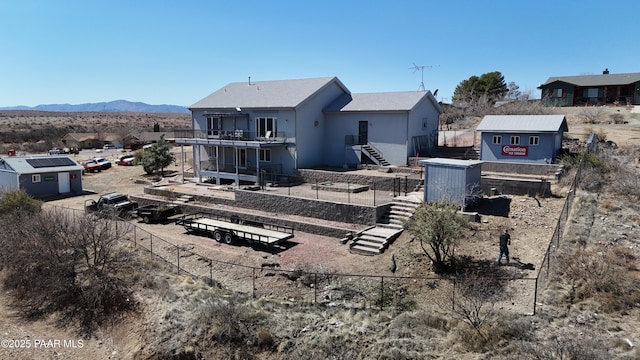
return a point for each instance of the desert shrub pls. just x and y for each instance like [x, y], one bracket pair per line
[567, 344]
[591, 114]
[617, 118]
[18, 202]
[396, 296]
[602, 275]
[75, 272]
[230, 321]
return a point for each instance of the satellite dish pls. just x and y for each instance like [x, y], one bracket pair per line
[238, 109]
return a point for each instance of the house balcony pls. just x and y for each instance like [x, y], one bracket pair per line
[234, 138]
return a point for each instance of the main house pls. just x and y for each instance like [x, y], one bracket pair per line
[253, 131]
[521, 138]
[623, 89]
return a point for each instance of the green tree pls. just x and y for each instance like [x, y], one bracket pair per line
[488, 87]
[438, 226]
[157, 157]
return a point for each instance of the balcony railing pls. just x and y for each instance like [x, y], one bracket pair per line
[231, 135]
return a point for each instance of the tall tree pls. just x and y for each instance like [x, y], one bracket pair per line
[513, 91]
[438, 226]
[489, 86]
[157, 157]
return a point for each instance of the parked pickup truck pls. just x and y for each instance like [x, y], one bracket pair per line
[149, 213]
[112, 204]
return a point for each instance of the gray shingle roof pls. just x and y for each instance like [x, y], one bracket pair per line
[266, 94]
[597, 80]
[383, 101]
[523, 123]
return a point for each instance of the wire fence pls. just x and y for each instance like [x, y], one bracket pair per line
[307, 286]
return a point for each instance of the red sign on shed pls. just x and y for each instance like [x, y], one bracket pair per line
[515, 150]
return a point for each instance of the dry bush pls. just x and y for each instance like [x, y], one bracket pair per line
[591, 114]
[75, 271]
[602, 275]
[565, 344]
[617, 118]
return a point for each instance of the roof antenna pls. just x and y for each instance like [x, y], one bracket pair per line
[421, 68]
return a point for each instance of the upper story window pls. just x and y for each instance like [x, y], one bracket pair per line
[534, 140]
[497, 139]
[266, 126]
[214, 125]
[515, 140]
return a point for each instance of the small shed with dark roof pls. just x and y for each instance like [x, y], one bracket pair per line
[41, 176]
[521, 138]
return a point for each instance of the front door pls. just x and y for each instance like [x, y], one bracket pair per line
[363, 132]
[64, 184]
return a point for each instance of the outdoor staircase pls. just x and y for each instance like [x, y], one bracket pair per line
[374, 155]
[375, 240]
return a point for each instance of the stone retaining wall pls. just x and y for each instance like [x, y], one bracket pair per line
[380, 182]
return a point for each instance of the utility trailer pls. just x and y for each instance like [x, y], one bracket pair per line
[149, 213]
[232, 228]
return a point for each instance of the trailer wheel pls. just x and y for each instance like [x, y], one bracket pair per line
[217, 235]
[228, 238]
[146, 219]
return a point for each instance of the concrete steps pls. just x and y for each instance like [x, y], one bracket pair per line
[376, 240]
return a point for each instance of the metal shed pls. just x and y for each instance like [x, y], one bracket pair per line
[451, 181]
[41, 176]
[521, 138]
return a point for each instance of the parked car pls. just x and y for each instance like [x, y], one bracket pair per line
[108, 147]
[125, 160]
[104, 163]
[55, 151]
[91, 166]
[71, 150]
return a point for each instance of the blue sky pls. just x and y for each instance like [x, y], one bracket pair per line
[177, 52]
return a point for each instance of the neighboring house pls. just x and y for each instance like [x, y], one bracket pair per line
[452, 181]
[622, 89]
[41, 176]
[246, 130]
[90, 140]
[521, 138]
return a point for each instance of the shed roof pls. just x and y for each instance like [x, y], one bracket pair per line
[597, 80]
[382, 101]
[23, 165]
[450, 162]
[266, 94]
[523, 123]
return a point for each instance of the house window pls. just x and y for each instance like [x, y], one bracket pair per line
[515, 140]
[264, 125]
[497, 139]
[214, 125]
[265, 155]
[557, 93]
[534, 140]
[35, 178]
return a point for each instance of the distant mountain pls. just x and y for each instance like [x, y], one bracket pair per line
[112, 106]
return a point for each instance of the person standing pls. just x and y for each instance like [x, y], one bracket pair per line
[505, 241]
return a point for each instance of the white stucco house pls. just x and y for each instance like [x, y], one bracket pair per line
[248, 130]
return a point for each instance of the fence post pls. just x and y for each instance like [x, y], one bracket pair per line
[135, 238]
[211, 271]
[406, 184]
[315, 289]
[373, 185]
[151, 241]
[453, 296]
[253, 282]
[381, 292]
[178, 262]
[535, 297]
